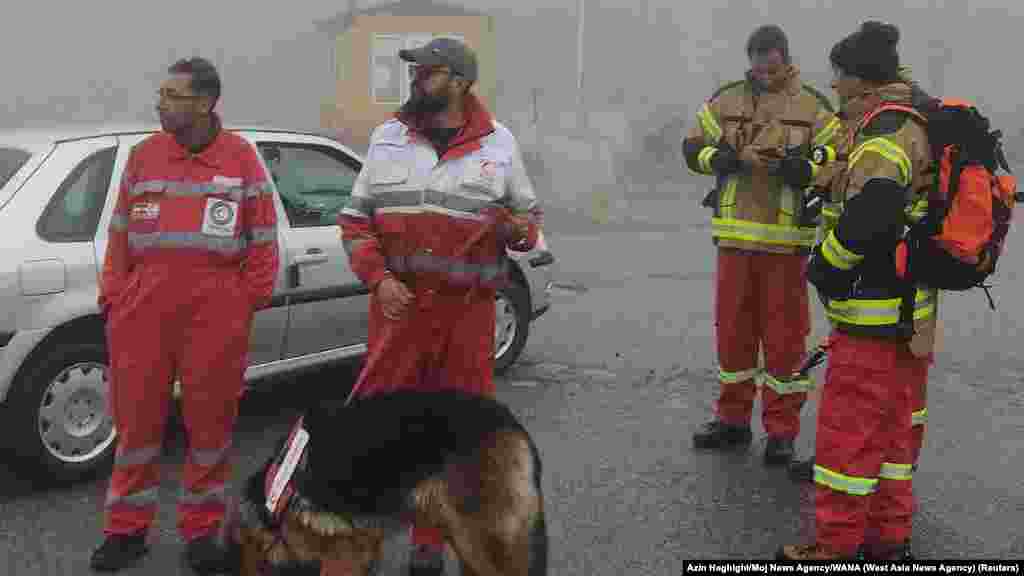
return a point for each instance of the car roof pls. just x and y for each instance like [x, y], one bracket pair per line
[35, 138]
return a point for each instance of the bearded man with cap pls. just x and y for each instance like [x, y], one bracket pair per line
[442, 194]
[866, 448]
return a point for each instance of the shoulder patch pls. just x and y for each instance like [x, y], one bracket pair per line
[821, 97]
[888, 122]
[727, 86]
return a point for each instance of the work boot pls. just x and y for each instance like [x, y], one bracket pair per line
[802, 471]
[426, 561]
[809, 553]
[778, 451]
[206, 556]
[888, 552]
[119, 551]
[717, 435]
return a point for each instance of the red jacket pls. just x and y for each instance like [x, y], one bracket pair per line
[438, 218]
[208, 210]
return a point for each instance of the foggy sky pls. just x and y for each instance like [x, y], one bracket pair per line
[75, 62]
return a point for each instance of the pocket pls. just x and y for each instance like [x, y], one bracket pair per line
[484, 177]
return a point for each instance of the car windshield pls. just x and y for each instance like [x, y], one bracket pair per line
[11, 160]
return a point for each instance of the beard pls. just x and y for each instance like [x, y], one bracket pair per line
[422, 105]
[175, 123]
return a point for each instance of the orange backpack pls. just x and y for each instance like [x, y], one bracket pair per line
[956, 245]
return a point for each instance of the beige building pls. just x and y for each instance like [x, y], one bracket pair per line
[372, 82]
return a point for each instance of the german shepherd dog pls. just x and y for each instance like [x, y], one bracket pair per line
[451, 460]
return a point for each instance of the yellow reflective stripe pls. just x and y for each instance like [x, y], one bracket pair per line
[704, 158]
[892, 471]
[917, 210]
[814, 170]
[733, 229]
[837, 255]
[826, 133]
[881, 312]
[887, 150]
[787, 206]
[727, 201]
[792, 386]
[708, 123]
[919, 417]
[843, 483]
[735, 377]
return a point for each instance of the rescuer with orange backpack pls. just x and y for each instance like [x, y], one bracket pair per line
[924, 210]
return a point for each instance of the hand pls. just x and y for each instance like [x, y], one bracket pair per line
[520, 228]
[725, 161]
[756, 160]
[795, 171]
[394, 298]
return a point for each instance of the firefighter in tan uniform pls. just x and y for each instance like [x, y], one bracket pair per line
[755, 137]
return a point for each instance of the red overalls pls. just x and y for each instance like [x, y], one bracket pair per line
[430, 222]
[192, 254]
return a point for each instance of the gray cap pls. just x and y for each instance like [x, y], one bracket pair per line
[444, 52]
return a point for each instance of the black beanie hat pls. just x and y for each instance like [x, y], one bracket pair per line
[869, 53]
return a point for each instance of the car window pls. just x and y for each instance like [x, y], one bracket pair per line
[314, 182]
[11, 160]
[74, 210]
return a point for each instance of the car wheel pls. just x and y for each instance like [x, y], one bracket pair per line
[511, 325]
[59, 411]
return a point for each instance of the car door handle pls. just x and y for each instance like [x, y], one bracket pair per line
[312, 256]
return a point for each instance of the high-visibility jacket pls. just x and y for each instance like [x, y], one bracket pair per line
[883, 189]
[212, 209]
[755, 211]
[431, 219]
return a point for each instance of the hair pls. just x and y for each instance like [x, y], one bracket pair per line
[767, 38]
[869, 53]
[205, 79]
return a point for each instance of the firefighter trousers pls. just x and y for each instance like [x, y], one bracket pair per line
[444, 341]
[193, 325]
[761, 301]
[865, 450]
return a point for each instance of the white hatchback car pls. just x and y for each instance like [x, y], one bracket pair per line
[57, 192]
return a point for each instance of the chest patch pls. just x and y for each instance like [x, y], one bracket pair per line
[145, 211]
[220, 217]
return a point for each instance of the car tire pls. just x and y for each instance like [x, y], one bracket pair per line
[70, 455]
[512, 303]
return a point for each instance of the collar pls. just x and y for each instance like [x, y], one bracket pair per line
[791, 82]
[211, 155]
[894, 93]
[479, 123]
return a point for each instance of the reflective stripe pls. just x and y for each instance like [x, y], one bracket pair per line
[353, 213]
[225, 246]
[704, 158]
[733, 229]
[882, 312]
[826, 133]
[896, 471]
[217, 494]
[787, 206]
[183, 189]
[887, 150]
[118, 222]
[727, 202]
[142, 499]
[793, 386]
[137, 457]
[919, 417]
[210, 458]
[262, 234]
[735, 377]
[408, 198]
[459, 271]
[814, 170]
[843, 483]
[917, 210]
[708, 123]
[837, 255]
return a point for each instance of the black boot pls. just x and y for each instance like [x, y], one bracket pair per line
[778, 451]
[802, 471]
[719, 435]
[119, 552]
[206, 556]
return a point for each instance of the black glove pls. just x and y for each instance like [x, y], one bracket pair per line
[796, 172]
[831, 282]
[726, 160]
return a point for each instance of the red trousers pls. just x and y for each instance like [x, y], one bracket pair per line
[193, 324]
[761, 301]
[444, 341]
[866, 448]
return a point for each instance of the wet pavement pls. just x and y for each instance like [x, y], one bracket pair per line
[614, 380]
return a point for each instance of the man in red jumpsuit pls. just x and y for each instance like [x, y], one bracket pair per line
[192, 254]
[425, 232]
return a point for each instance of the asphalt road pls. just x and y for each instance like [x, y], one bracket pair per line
[614, 380]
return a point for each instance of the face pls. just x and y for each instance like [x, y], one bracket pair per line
[431, 89]
[178, 106]
[848, 88]
[769, 68]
